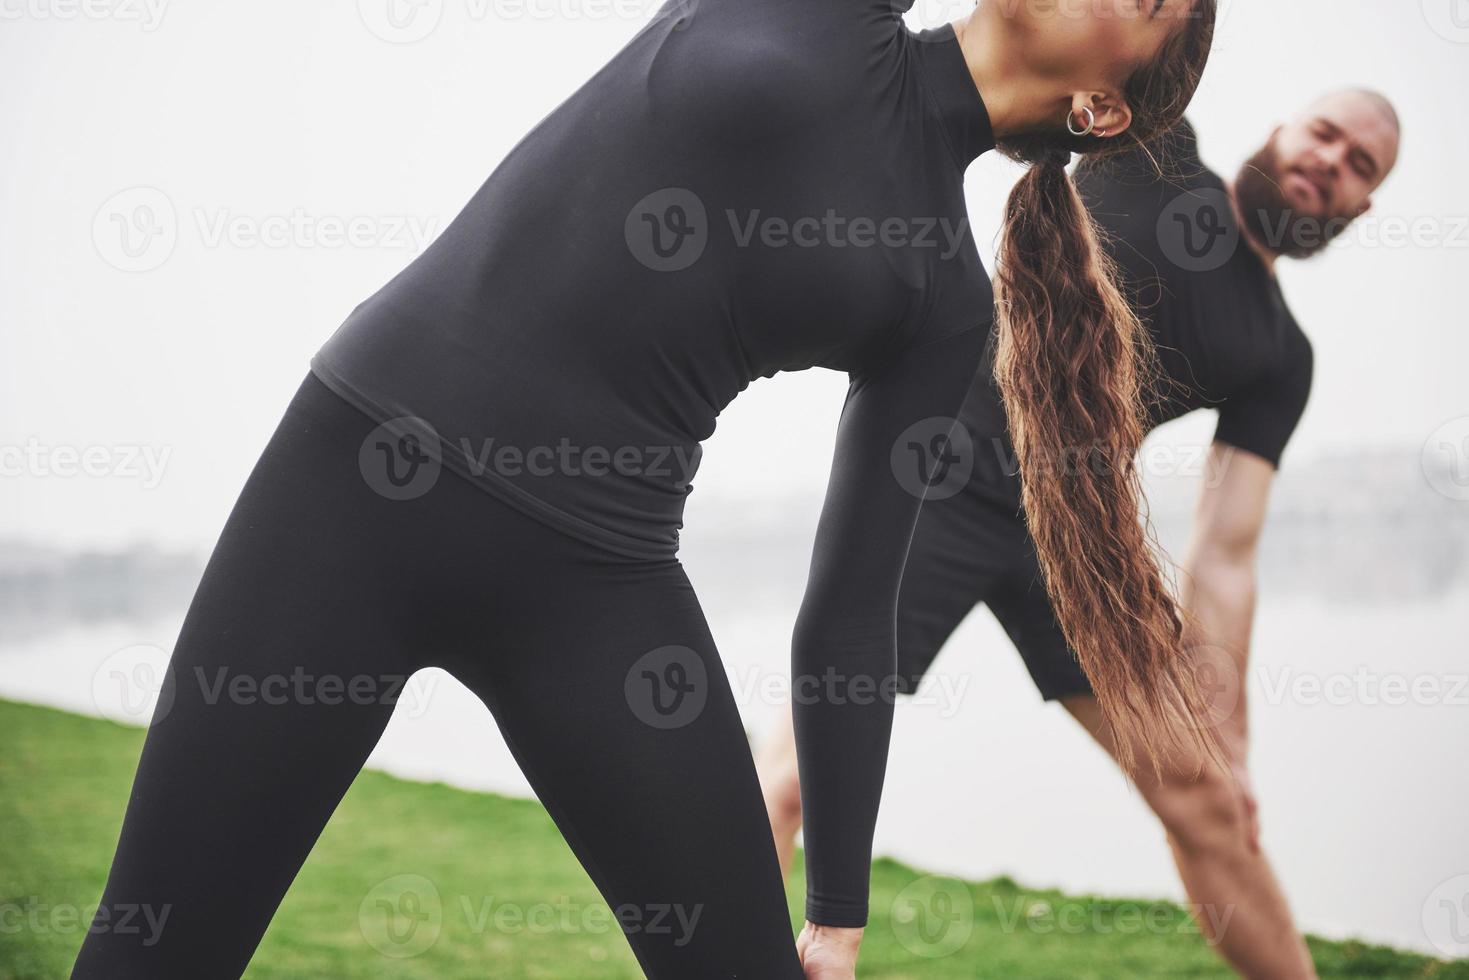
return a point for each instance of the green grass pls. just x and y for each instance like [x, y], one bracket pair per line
[64, 781]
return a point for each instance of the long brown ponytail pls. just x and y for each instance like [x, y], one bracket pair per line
[1073, 365]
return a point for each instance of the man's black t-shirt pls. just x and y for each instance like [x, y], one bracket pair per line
[1225, 340]
[1224, 336]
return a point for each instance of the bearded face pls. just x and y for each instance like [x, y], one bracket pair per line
[1277, 220]
[1316, 174]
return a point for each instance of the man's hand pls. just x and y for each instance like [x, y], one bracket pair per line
[829, 953]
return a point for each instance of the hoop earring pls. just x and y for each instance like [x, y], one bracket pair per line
[1091, 122]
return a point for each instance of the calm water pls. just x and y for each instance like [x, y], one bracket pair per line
[1363, 804]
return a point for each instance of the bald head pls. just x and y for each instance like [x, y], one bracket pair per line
[1368, 116]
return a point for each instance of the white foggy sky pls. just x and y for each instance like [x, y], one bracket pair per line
[273, 107]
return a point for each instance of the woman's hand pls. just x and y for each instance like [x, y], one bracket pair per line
[829, 953]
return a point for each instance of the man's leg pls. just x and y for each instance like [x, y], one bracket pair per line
[1240, 905]
[780, 784]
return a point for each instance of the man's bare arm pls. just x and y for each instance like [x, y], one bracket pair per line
[1218, 584]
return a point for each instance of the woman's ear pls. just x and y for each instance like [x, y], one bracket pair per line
[1113, 114]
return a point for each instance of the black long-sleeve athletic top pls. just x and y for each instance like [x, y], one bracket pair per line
[749, 186]
[1224, 336]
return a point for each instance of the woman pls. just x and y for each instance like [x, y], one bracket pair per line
[486, 469]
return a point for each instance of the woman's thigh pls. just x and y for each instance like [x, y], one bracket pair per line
[607, 686]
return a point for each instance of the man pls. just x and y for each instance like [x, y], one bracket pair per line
[1199, 259]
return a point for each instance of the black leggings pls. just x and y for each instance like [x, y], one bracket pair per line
[600, 672]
